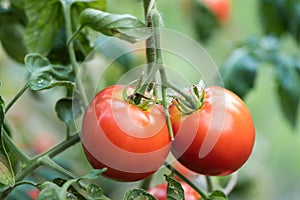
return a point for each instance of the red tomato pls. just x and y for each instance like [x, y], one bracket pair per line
[221, 8]
[33, 193]
[159, 191]
[216, 139]
[130, 142]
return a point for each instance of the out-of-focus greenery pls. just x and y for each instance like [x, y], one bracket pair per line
[271, 173]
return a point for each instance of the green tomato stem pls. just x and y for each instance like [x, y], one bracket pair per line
[146, 183]
[209, 184]
[59, 148]
[182, 177]
[67, 16]
[45, 160]
[19, 94]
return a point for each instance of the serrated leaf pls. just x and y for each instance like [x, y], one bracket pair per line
[123, 26]
[68, 109]
[217, 195]
[174, 189]
[6, 172]
[288, 81]
[239, 72]
[45, 30]
[44, 75]
[138, 194]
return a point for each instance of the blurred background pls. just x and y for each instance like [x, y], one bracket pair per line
[273, 170]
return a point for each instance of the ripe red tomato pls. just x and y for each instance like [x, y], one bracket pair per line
[130, 142]
[33, 193]
[221, 8]
[216, 139]
[159, 191]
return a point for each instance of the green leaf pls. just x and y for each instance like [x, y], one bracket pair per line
[6, 173]
[174, 189]
[94, 174]
[288, 81]
[122, 26]
[239, 72]
[68, 109]
[44, 75]
[12, 35]
[217, 195]
[45, 33]
[49, 191]
[204, 21]
[45, 18]
[138, 194]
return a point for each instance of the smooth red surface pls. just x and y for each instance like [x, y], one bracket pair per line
[217, 139]
[130, 142]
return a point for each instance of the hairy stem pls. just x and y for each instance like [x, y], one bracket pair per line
[67, 16]
[19, 94]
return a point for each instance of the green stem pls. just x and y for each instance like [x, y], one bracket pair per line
[67, 16]
[146, 183]
[19, 94]
[53, 165]
[182, 177]
[16, 151]
[209, 184]
[35, 162]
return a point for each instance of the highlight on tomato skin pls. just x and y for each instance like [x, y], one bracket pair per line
[130, 142]
[217, 139]
[159, 191]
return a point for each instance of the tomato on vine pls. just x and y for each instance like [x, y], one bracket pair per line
[221, 9]
[130, 142]
[218, 138]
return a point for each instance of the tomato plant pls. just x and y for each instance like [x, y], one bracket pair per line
[218, 138]
[113, 129]
[160, 191]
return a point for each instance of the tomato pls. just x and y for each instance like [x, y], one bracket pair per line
[130, 142]
[221, 8]
[33, 193]
[218, 138]
[159, 191]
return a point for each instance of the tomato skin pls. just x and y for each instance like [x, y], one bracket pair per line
[159, 191]
[130, 142]
[217, 139]
[221, 8]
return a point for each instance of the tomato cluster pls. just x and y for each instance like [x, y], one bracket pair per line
[133, 143]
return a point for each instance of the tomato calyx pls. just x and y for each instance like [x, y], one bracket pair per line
[197, 93]
[143, 96]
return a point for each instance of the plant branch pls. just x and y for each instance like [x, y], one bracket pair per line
[67, 16]
[209, 184]
[19, 94]
[53, 165]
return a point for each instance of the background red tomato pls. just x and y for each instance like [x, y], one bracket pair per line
[159, 191]
[221, 8]
[218, 138]
[130, 142]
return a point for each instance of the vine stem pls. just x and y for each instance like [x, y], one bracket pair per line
[67, 16]
[209, 184]
[182, 177]
[35, 162]
[19, 94]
